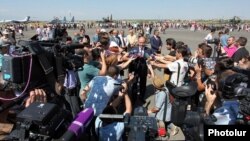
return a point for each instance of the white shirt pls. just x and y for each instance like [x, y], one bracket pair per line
[141, 51]
[38, 31]
[208, 37]
[173, 67]
[123, 40]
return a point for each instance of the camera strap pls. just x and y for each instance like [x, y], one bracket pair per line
[165, 107]
[48, 70]
[178, 73]
[59, 69]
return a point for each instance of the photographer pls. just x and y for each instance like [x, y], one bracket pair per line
[203, 51]
[223, 68]
[100, 89]
[111, 130]
[204, 71]
[92, 68]
[226, 114]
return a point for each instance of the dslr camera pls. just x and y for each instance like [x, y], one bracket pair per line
[214, 41]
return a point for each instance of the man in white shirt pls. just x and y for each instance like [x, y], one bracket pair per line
[173, 67]
[209, 36]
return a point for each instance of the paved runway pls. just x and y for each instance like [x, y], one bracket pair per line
[192, 39]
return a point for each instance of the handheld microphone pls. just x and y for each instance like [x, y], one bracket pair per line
[78, 126]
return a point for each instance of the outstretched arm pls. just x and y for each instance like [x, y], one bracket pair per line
[159, 65]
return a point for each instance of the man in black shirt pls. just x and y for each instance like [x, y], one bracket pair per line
[241, 52]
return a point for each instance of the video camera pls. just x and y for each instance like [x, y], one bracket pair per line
[193, 61]
[41, 121]
[36, 64]
[138, 127]
[235, 87]
[37, 59]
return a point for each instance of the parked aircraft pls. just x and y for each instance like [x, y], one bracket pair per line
[64, 21]
[16, 21]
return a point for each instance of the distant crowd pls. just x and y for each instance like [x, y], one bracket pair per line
[105, 87]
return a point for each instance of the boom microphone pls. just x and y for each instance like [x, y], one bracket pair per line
[78, 126]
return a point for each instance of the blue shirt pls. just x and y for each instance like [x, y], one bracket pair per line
[223, 40]
[95, 38]
[160, 103]
[101, 89]
[110, 132]
[1, 62]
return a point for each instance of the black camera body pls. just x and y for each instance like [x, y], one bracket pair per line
[37, 59]
[215, 41]
[138, 127]
[41, 121]
[193, 61]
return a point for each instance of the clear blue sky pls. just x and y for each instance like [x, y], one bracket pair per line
[124, 9]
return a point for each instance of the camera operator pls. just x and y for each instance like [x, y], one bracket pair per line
[204, 71]
[112, 130]
[91, 68]
[228, 105]
[223, 67]
[203, 51]
[99, 94]
[99, 90]
[195, 62]
[223, 101]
